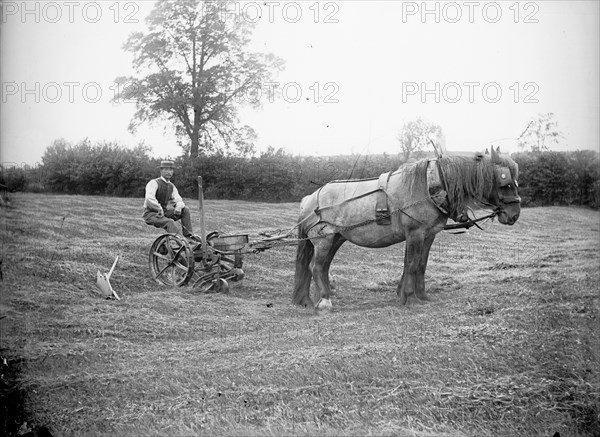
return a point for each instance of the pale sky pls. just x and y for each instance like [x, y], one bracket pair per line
[355, 72]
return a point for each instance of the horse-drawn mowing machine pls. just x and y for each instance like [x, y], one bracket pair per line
[411, 204]
[208, 264]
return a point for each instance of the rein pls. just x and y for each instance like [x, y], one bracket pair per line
[470, 223]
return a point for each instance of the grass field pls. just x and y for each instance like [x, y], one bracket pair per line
[508, 346]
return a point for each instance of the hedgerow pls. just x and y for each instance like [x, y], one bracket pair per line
[548, 178]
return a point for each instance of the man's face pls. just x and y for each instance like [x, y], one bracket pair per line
[166, 173]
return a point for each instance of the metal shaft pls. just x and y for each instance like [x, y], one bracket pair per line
[201, 208]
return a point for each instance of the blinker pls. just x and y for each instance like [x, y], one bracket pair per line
[503, 175]
[504, 178]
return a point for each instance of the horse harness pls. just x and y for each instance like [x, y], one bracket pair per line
[505, 179]
[383, 213]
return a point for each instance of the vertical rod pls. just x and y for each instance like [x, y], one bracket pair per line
[113, 267]
[201, 207]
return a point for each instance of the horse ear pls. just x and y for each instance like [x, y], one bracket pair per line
[498, 149]
[495, 157]
[487, 152]
[435, 149]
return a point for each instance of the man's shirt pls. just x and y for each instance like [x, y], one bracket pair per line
[150, 201]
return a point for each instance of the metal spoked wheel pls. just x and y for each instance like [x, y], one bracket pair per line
[171, 260]
[214, 279]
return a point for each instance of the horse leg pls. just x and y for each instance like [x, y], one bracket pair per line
[420, 283]
[338, 240]
[325, 250]
[412, 259]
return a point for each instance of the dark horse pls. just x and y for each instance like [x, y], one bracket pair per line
[411, 204]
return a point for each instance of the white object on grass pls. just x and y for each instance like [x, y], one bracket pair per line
[103, 282]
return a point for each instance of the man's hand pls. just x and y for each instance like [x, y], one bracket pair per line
[160, 213]
[177, 211]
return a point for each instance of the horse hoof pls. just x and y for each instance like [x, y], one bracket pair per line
[324, 305]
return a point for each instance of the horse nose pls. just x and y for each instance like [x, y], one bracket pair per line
[515, 217]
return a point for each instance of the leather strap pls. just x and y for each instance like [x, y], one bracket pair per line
[382, 212]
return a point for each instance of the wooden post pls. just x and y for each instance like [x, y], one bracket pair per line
[201, 207]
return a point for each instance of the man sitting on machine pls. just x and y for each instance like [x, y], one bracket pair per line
[163, 205]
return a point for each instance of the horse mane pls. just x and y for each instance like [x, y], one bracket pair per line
[468, 178]
[414, 175]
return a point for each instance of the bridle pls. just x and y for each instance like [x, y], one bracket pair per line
[503, 179]
[503, 176]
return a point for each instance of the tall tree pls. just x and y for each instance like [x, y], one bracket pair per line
[194, 71]
[415, 135]
[541, 133]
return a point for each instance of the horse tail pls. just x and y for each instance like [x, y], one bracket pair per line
[303, 275]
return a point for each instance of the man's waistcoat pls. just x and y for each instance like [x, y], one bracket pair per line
[164, 192]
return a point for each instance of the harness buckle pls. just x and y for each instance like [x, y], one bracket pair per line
[383, 216]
